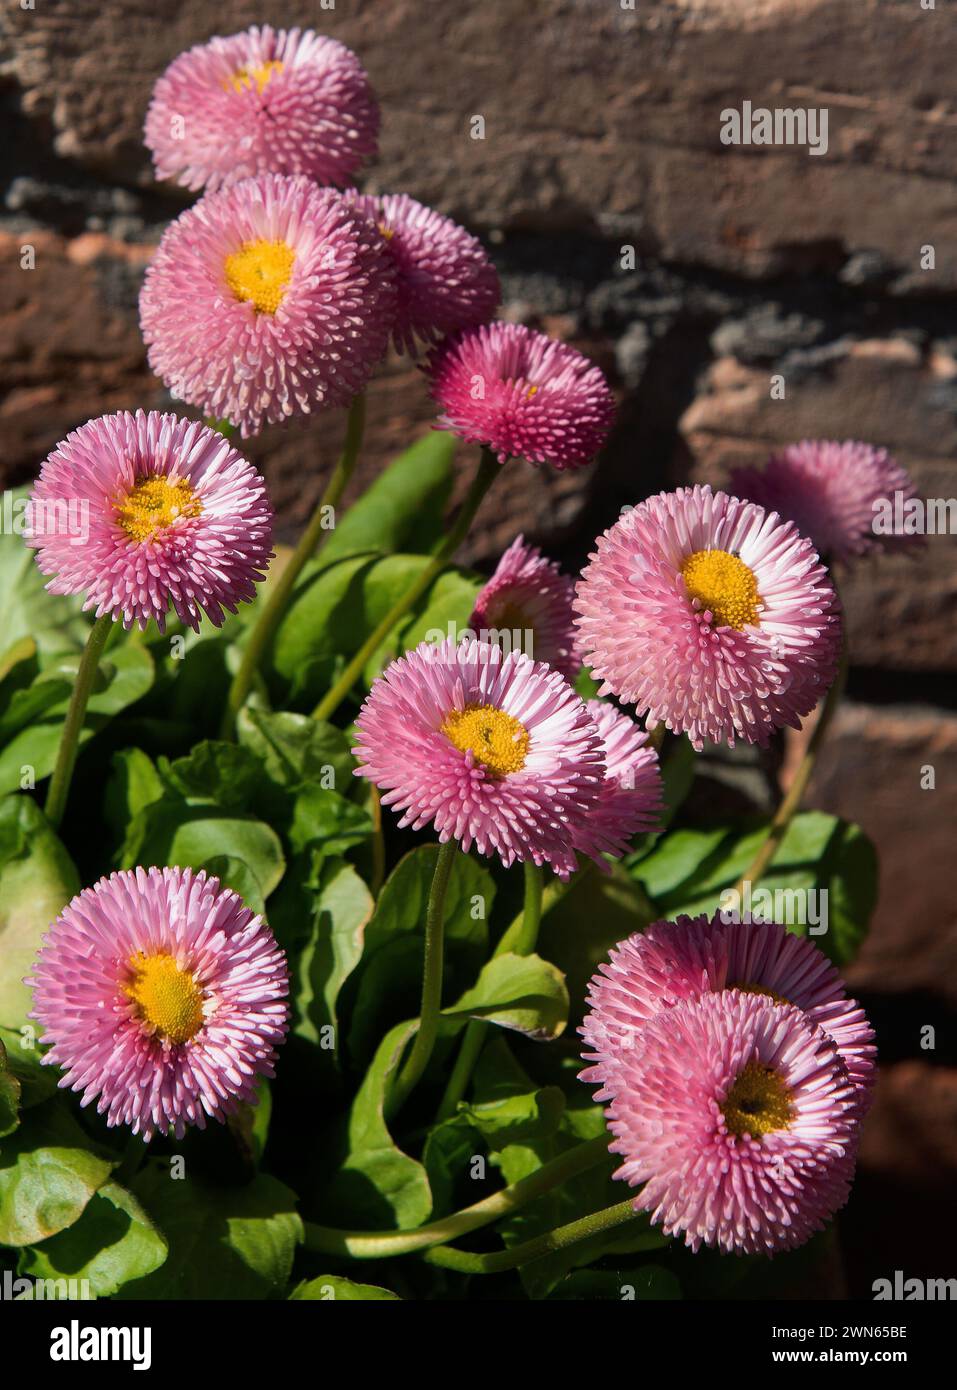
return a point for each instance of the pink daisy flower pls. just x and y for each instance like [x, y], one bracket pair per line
[829, 491]
[739, 1118]
[268, 299]
[143, 512]
[493, 750]
[672, 962]
[710, 616]
[267, 101]
[444, 278]
[164, 998]
[530, 601]
[631, 794]
[521, 394]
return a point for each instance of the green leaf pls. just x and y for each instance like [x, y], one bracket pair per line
[49, 1170]
[343, 906]
[54, 623]
[236, 874]
[403, 508]
[37, 879]
[172, 831]
[127, 676]
[445, 610]
[133, 783]
[224, 1242]
[9, 1096]
[690, 871]
[24, 1060]
[509, 1109]
[390, 973]
[112, 1243]
[447, 1155]
[296, 750]
[524, 993]
[221, 774]
[377, 1184]
[332, 1288]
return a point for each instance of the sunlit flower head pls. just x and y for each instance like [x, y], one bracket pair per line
[671, 962]
[493, 750]
[164, 999]
[521, 394]
[267, 101]
[269, 299]
[829, 491]
[141, 513]
[444, 278]
[739, 1118]
[528, 603]
[709, 615]
[630, 802]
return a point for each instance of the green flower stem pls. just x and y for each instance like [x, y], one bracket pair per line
[520, 938]
[795, 793]
[378, 840]
[59, 788]
[418, 1058]
[262, 634]
[495, 1262]
[381, 1245]
[488, 471]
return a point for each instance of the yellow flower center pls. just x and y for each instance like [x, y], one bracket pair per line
[724, 584]
[168, 998]
[758, 1103]
[387, 232]
[152, 504]
[244, 78]
[497, 740]
[260, 271]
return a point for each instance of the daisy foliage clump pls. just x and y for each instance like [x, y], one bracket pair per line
[314, 857]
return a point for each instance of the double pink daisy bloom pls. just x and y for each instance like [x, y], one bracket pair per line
[143, 512]
[710, 615]
[529, 599]
[493, 750]
[739, 1119]
[522, 395]
[164, 998]
[269, 299]
[444, 278]
[829, 491]
[267, 101]
[737, 1072]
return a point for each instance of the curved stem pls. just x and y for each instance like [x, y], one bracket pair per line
[795, 792]
[520, 938]
[488, 470]
[59, 788]
[498, 1260]
[418, 1058]
[378, 842]
[376, 1245]
[264, 630]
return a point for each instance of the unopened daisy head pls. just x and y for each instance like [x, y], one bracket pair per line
[832, 492]
[493, 750]
[522, 395]
[739, 1118]
[528, 602]
[671, 962]
[267, 101]
[444, 278]
[630, 801]
[144, 512]
[268, 299]
[709, 615]
[164, 999]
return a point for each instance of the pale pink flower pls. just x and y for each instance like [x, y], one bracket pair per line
[709, 615]
[164, 998]
[528, 598]
[267, 101]
[268, 299]
[140, 513]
